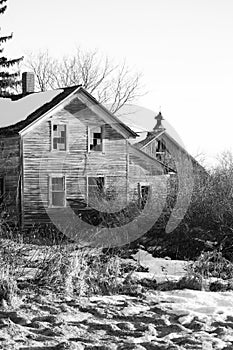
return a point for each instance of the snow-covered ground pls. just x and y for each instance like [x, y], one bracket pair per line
[173, 320]
[150, 320]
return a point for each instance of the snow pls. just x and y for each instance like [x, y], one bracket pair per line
[161, 267]
[142, 120]
[173, 319]
[198, 303]
[13, 112]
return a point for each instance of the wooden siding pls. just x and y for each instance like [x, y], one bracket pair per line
[76, 164]
[140, 176]
[167, 158]
[10, 172]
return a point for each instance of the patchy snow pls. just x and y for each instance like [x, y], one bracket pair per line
[14, 111]
[160, 267]
[46, 318]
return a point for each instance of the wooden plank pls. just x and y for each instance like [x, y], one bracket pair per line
[76, 163]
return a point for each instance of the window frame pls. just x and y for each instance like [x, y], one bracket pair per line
[2, 185]
[89, 138]
[87, 182]
[66, 136]
[141, 200]
[50, 194]
[161, 146]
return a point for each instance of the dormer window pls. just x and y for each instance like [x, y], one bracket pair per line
[95, 139]
[59, 137]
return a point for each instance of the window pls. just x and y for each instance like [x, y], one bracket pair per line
[57, 191]
[59, 137]
[161, 146]
[160, 150]
[144, 192]
[96, 139]
[95, 188]
[1, 189]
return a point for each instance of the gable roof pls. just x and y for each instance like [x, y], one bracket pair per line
[142, 120]
[151, 136]
[20, 111]
[145, 160]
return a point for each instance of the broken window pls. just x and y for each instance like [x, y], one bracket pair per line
[144, 192]
[160, 150]
[59, 137]
[161, 146]
[57, 188]
[95, 139]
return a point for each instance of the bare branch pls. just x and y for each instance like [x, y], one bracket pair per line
[110, 84]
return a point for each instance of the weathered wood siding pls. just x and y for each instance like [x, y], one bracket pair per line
[10, 172]
[76, 163]
[142, 169]
[167, 158]
[140, 176]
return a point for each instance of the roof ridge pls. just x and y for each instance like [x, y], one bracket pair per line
[21, 95]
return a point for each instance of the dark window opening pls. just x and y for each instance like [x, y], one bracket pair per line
[95, 188]
[161, 146]
[95, 142]
[1, 189]
[144, 192]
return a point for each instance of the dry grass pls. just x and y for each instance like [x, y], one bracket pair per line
[83, 272]
[211, 264]
[62, 268]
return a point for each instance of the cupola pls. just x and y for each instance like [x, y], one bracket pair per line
[159, 125]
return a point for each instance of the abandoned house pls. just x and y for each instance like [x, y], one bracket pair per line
[61, 149]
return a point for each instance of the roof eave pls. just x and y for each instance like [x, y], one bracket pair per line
[129, 131]
[152, 159]
[24, 130]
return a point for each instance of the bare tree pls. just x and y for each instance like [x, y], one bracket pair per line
[111, 84]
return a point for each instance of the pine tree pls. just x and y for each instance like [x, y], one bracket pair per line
[9, 78]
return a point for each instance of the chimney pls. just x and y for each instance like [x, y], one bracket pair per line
[28, 82]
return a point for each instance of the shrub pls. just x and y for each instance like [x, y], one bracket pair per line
[211, 264]
[208, 222]
[84, 271]
[8, 290]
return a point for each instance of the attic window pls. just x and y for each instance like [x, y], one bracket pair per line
[161, 146]
[59, 137]
[96, 139]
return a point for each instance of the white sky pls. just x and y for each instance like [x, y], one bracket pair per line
[184, 48]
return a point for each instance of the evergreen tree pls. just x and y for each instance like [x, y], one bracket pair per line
[9, 78]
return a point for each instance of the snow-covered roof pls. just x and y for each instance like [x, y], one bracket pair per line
[19, 111]
[142, 120]
[14, 111]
